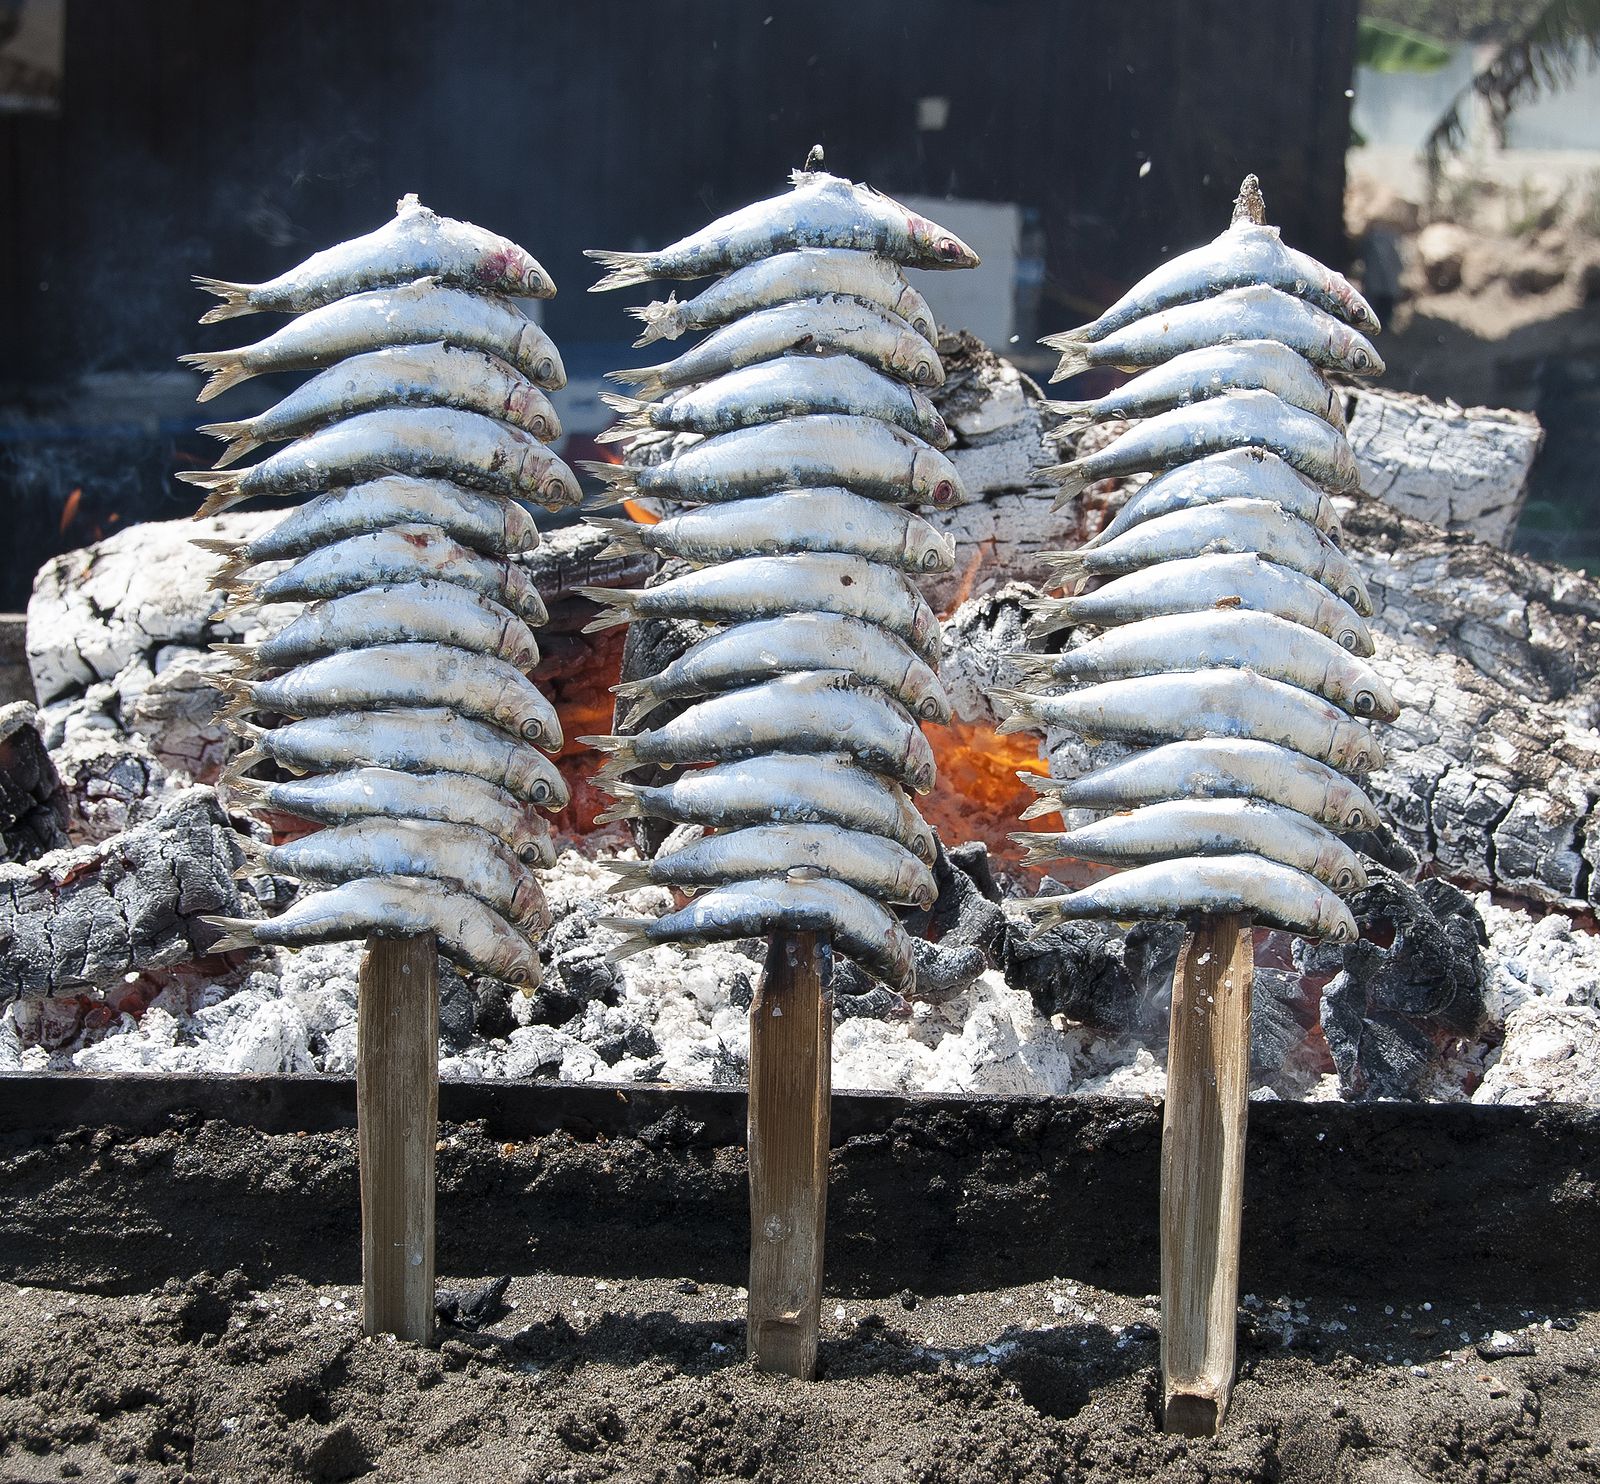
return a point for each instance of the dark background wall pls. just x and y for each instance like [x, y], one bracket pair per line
[232, 139]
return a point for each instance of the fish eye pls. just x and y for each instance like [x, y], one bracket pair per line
[928, 708]
[1354, 819]
[943, 492]
[1346, 879]
[555, 490]
[1361, 360]
[545, 369]
[540, 792]
[922, 372]
[1366, 702]
[533, 281]
[1347, 637]
[922, 327]
[948, 249]
[930, 560]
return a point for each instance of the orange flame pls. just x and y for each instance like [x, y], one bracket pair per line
[69, 511]
[978, 795]
[639, 515]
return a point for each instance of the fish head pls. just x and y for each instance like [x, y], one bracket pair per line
[534, 780]
[1354, 591]
[914, 310]
[920, 769]
[1356, 750]
[528, 906]
[1347, 630]
[1351, 807]
[928, 550]
[531, 840]
[920, 838]
[934, 480]
[1372, 698]
[1355, 353]
[1334, 922]
[1341, 870]
[937, 247]
[914, 360]
[528, 408]
[925, 631]
[913, 882]
[932, 703]
[1351, 304]
[557, 485]
[538, 357]
[536, 730]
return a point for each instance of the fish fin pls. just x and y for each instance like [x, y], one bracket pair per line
[235, 298]
[1071, 476]
[625, 803]
[1032, 666]
[226, 549]
[645, 380]
[243, 762]
[615, 475]
[1074, 359]
[1039, 847]
[252, 790]
[1045, 805]
[1069, 570]
[619, 603]
[223, 367]
[625, 537]
[1067, 339]
[237, 933]
[1044, 912]
[1049, 616]
[623, 268]
[254, 852]
[1019, 717]
[628, 876]
[622, 755]
[662, 320]
[238, 439]
[635, 933]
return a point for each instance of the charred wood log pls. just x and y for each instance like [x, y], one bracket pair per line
[83, 918]
[33, 804]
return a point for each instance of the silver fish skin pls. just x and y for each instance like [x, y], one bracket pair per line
[414, 314]
[423, 739]
[431, 375]
[1262, 642]
[487, 523]
[819, 711]
[1214, 371]
[470, 933]
[427, 612]
[410, 674]
[806, 273]
[872, 458]
[855, 925]
[400, 555]
[880, 868]
[780, 788]
[788, 386]
[1221, 768]
[1235, 420]
[813, 520]
[1227, 527]
[384, 793]
[764, 587]
[456, 855]
[1240, 473]
[1244, 255]
[1188, 827]
[1275, 895]
[416, 243]
[1237, 314]
[829, 326]
[435, 442]
[749, 653]
[821, 211]
[1189, 704]
[1194, 584]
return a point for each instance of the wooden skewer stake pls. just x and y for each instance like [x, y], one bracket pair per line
[1202, 1171]
[791, 1046]
[397, 1116]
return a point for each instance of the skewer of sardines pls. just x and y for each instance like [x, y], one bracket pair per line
[1225, 634]
[408, 737]
[798, 434]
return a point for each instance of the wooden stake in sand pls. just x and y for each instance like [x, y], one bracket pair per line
[1202, 1171]
[397, 1114]
[791, 1046]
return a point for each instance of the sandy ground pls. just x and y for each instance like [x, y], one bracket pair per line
[580, 1379]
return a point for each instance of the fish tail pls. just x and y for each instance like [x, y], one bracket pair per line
[1047, 912]
[1038, 848]
[237, 933]
[238, 439]
[635, 417]
[223, 367]
[1069, 569]
[252, 790]
[621, 750]
[628, 876]
[253, 756]
[243, 654]
[1020, 717]
[1031, 666]
[1071, 476]
[625, 535]
[235, 298]
[1046, 805]
[647, 381]
[254, 852]
[1075, 357]
[625, 804]
[1048, 616]
[1075, 417]
[619, 603]
[635, 933]
[622, 268]
[228, 550]
[662, 320]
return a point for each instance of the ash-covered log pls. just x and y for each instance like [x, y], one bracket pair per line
[83, 918]
[33, 804]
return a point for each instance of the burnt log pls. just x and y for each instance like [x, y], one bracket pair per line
[83, 918]
[1463, 470]
[33, 804]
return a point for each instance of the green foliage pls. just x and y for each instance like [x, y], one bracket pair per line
[1452, 20]
[1383, 47]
